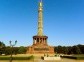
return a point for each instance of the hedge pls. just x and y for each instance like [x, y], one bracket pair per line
[17, 58]
[74, 57]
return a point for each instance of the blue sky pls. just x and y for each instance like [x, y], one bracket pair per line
[63, 21]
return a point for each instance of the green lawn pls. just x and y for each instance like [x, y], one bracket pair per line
[16, 58]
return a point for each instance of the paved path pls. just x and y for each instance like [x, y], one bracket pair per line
[38, 59]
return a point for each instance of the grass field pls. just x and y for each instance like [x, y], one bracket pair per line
[16, 57]
[37, 58]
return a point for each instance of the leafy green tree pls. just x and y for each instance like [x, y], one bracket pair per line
[7, 50]
[65, 50]
[59, 49]
[22, 50]
[2, 47]
[69, 50]
[15, 50]
[2, 44]
[76, 50]
[81, 48]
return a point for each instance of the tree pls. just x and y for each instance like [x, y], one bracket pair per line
[2, 44]
[59, 49]
[76, 50]
[65, 50]
[15, 50]
[22, 50]
[81, 48]
[70, 50]
[7, 50]
[2, 47]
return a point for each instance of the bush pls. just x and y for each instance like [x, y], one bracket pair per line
[17, 58]
[74, 57]
[4, 58]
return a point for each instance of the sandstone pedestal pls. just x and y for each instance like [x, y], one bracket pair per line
[40, 46]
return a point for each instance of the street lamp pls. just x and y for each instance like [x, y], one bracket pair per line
[11, 45]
